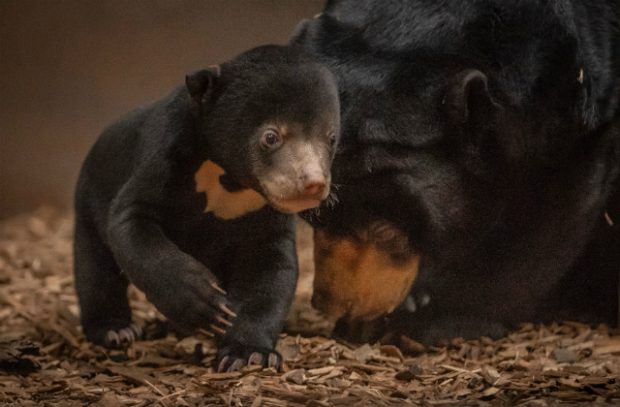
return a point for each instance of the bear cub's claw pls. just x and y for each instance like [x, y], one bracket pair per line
[122, 338]
[234, 359]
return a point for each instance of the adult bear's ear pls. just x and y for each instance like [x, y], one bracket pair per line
[200, 84]
[468, 102]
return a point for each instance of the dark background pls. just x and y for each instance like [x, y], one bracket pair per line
[70, 67]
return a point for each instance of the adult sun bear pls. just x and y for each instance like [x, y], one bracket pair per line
[480, 148]
[190, 199]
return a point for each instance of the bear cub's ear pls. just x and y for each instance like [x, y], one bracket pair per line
[200, 83]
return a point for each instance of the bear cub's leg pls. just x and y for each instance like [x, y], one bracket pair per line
[101, 291]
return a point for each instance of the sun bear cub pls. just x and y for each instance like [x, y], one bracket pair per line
[190, 199]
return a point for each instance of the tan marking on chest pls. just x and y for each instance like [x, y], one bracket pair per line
[358, 280]
[224, 204]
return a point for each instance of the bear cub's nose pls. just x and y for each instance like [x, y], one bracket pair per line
[314, 189]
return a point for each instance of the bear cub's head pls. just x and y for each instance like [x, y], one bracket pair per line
[271, 119]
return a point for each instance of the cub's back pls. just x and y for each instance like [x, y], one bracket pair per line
[109, 164]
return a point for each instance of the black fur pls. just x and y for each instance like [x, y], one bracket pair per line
[139, 218]
[490, 131]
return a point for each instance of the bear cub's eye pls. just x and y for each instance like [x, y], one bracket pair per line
[270, 139]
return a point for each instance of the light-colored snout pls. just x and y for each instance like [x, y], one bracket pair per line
[300, 181]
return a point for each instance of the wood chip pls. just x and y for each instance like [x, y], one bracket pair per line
[564, 355]
[297, 376]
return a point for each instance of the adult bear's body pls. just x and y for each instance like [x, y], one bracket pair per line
[505, 203]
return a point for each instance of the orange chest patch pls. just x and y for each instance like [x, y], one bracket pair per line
[224, 204]
[358, 280]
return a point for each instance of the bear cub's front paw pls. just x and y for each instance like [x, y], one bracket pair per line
[192, 299]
